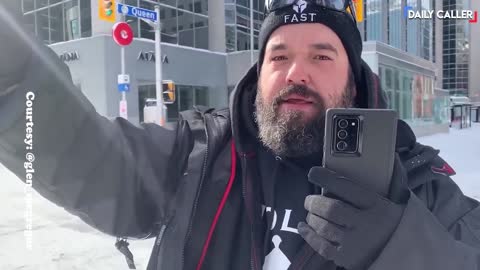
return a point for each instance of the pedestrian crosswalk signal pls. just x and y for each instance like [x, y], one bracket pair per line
[168, 88]
[106, 10]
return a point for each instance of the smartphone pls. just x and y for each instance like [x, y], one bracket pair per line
[360, 144]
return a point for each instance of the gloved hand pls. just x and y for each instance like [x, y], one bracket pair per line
[352, 224]
[15, 43]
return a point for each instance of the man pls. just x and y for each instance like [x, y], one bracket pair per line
[239, 188]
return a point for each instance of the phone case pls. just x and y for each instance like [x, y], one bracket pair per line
[372, 164]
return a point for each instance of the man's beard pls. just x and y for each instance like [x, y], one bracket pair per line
[289, 133]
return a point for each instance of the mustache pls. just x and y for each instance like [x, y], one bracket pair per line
[297, 89]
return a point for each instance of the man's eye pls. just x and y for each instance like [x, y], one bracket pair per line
[322, 57]
[279, 58]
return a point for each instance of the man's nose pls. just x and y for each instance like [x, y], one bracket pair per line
[297, 74]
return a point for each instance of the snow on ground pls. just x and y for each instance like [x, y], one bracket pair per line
[61, 241]
[461, 149]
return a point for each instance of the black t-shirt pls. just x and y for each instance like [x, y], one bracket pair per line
[285, 186]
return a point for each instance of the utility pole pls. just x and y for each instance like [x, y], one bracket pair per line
[251, 34]
[158, 70]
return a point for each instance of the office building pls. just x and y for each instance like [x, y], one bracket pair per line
[196, 36]
[474, 57]
[404, 53]
[206, 50]
[456, 50]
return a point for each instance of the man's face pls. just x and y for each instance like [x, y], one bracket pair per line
[305, 71]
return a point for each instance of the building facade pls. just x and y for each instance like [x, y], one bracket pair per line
[404, 53]
[195, 36]
[474, 63]
[237, 24]
[206, 50]
[385, 22]
[456, 50]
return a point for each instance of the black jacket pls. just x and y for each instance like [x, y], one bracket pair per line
[191, 185]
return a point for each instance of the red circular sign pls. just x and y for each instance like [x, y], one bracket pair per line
[122, 34]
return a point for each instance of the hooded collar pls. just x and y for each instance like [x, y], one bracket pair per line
[242, 108]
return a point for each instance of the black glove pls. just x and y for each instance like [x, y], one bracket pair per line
[352, 229]
[15, 43]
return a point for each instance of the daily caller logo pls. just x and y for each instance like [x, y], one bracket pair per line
[470, 15]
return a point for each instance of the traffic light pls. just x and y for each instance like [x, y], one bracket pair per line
[168, 88]
[107, 10]
[358, 7]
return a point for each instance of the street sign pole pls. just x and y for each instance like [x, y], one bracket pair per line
[123, 35]
[123, 110]
[158, 70]
[152, 18]
[123, 102]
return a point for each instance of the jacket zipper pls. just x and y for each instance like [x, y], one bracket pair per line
[157, 245]
[244, 193]
[161, 234]
[197, 196]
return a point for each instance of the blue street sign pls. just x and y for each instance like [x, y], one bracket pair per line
[123, 87]
[136, 12]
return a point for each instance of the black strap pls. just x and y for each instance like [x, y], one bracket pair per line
[122, 246]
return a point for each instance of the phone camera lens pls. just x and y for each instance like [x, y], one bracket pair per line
[341, 145]
[343, 123]
[342, 134]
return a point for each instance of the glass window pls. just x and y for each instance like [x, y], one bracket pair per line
[202, 96]
[374, 20]
[186, 97]
[257, 21]
[201, 32]
[201, 6]
[230, 14]
[169, 25]
[28, 5]
[185, 29]
[243, 17]
[256, 5]
[29, 21]
[168, 2]
[56, 24]
[133, 22]
[185, 4]
[388, 78]
[407, 106]
[245, 3]
[397, 101]
[396, 80]
[72, 25]
[86, 18]
[243, 39]
[42, 26]
[146, 31]
[41, 4]
[230, 38]
[395, 18]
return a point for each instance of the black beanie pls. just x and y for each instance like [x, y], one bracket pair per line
[340, 22]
